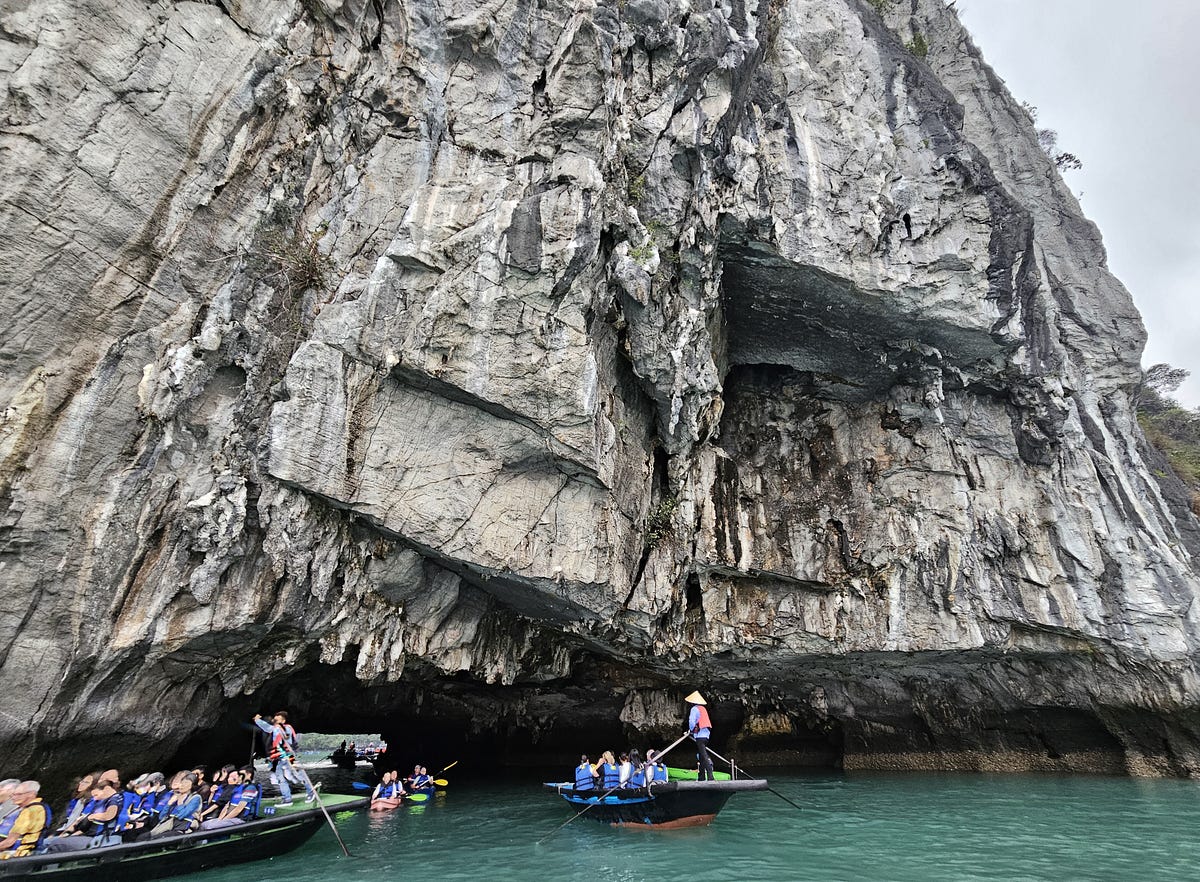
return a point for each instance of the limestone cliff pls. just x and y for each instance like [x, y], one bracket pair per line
[508, 367]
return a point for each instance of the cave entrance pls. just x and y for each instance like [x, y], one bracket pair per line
[487, 730]
[427, 718]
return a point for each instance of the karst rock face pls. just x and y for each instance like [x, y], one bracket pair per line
[517, 365]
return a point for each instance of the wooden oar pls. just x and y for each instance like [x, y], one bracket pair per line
[748, 775]
[321, 805]
[607, 792]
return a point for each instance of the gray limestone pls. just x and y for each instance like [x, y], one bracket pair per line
[538, 354]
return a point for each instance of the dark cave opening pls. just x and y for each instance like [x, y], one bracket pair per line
[488, 730]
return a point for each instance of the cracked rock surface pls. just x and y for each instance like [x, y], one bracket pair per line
[483, 362]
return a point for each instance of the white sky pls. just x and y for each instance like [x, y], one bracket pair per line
[1120, 82]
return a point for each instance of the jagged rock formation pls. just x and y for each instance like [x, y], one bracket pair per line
[512, 366]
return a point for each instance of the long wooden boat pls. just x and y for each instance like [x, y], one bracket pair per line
[285, 830]
[665, 806]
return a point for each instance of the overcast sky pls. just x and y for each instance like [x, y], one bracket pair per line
[1120, 82]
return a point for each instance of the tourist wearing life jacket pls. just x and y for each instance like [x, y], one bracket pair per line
[284, 743]
[411, 780]
[655, 771]
[241, 806]
[625, 770]
[700, 728]
[96, 824]
[8, 806]
[610, 773]
[81, 796]
[583, 775]
[28, 825]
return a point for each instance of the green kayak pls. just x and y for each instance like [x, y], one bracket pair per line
[674, 774]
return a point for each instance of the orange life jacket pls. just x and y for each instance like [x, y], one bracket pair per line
[702, 721]
[283, 742]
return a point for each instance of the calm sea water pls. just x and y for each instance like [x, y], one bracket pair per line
[889, 827]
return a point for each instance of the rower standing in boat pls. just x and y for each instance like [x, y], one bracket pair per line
[700, 728]
[284, 742]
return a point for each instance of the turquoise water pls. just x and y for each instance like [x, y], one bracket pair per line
[893, 827]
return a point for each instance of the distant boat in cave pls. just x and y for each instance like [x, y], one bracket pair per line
[672, 804]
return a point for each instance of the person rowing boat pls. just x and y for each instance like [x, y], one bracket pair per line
[284, 744]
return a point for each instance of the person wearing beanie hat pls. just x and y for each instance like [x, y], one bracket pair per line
[700, 728]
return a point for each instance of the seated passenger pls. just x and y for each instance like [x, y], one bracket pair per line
[7, 805]
[610, 772]
[218, 797]
[179, 814]
[655, 771]
[411, 780]
[389, 792]
[80, 797]
[638, 778]
[30, 823]
[242, 805]
[96, 825]
[426, 778]
[625, 770]
[203, 786]
[583, 774]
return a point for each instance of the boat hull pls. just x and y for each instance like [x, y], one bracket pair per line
[175, 855]
[669, 806]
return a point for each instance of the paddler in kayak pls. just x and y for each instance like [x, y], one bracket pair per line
[389, 793]
[700, 728]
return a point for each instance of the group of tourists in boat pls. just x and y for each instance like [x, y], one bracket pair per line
[649, 794]
[392, 790]
[346, 755]
[101, 811]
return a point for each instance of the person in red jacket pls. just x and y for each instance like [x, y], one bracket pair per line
[284, 743]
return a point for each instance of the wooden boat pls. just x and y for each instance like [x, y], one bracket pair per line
[285, 830]
[665, 806]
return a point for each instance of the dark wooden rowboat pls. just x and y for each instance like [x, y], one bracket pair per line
[666, 806]
[164, 856]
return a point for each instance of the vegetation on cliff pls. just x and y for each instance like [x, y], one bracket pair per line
[1171, 427]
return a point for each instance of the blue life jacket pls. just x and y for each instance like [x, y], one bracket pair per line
[129, 800]
[74, 802]
[612, 775]
[637, 779]
[45, 830]
[158, 803]
[660, 772]
[250, 812]
[422, 781]
[583, 777]
[7, 824]
[105, 828]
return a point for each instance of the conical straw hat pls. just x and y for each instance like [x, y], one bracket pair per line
[695, 698]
